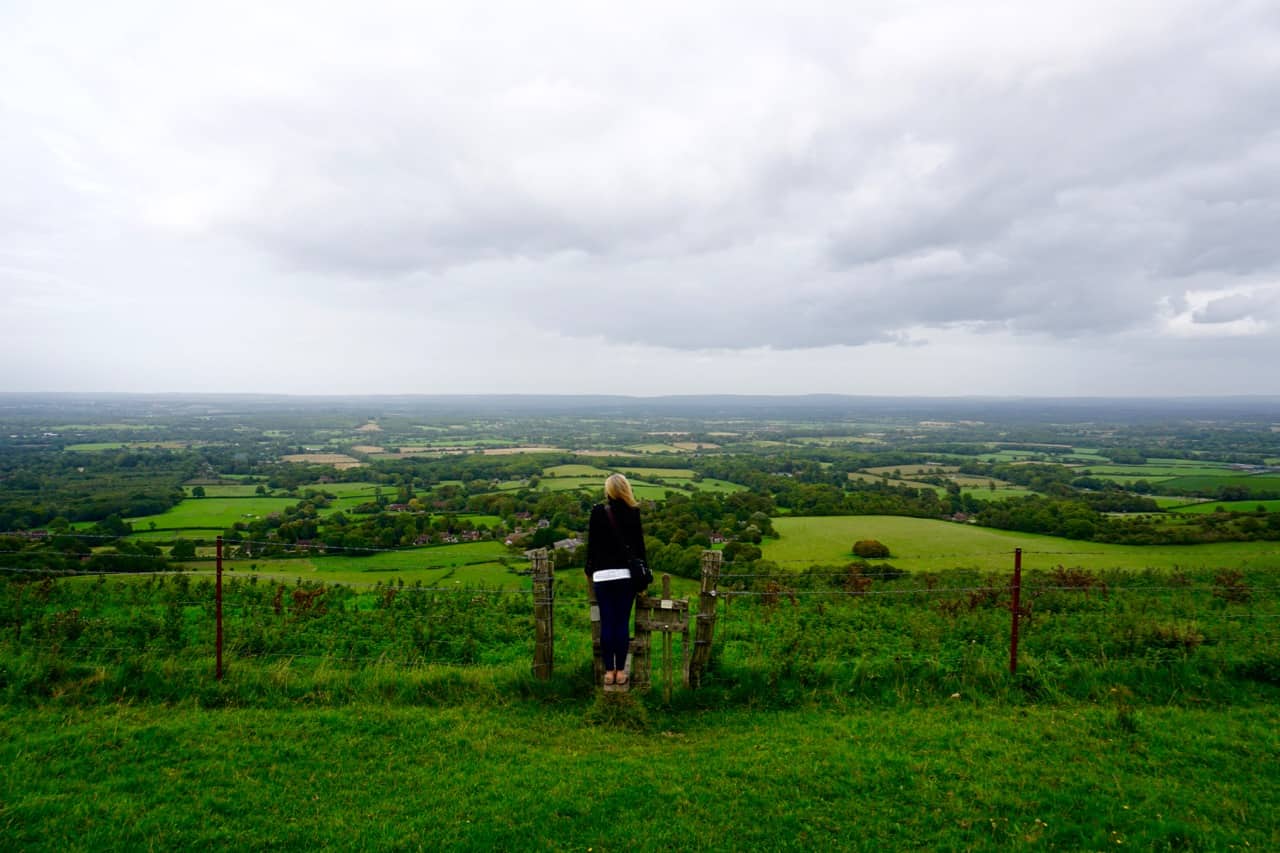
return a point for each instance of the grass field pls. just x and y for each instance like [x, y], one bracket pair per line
[1230, 506]
[508, 773]
[225, 490]
[659, 473]
[212, 513]
[97, 446]
[576, 471]
[927, 545]
[472, 563]
[1257, 483]
[710, 484]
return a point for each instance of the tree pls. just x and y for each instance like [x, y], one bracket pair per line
[197, 492]
[183, 549]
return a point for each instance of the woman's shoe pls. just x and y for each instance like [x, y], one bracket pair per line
[609, 677]
[622, 677]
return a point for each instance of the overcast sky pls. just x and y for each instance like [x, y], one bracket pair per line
[937, 198]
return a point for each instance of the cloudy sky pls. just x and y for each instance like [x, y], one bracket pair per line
[937, 198]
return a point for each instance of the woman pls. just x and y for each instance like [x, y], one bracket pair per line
[614, 536]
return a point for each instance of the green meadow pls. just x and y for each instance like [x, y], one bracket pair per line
[505, 772]
[1231, 506]
[918, 544]
[212, 513]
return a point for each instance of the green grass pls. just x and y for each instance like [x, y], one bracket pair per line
[225, 490]
[710, 484]
[1151, 471]
[590, 471]
[351, 490]
[658, 473]
[1230, 506]
[212, 513]
[513, 774]
[927, 545]
[654, 447]
[1256, 483]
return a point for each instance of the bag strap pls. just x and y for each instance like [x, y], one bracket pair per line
[617, 531]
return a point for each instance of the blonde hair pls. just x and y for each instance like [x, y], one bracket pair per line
[618, 488]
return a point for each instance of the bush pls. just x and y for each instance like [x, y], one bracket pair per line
[871, 549]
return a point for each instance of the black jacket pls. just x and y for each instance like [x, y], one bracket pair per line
[604, 551]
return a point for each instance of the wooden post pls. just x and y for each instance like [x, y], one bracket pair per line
[1013, 607]
[596, 656]
[666, 644]
[543, 615]
[705, 629]
[218, 608]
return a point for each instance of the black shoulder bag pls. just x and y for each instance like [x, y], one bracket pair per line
[641, 574]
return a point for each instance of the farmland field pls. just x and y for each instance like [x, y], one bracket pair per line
[926, 545]
[213, 513]
[1231, 506]
[1257, 483]
[660, 473]
[710, 484]
[575, 471]
[338, 460]
[223, 490]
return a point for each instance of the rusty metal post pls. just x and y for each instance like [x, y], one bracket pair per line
[1014, 608]
[705, 628]
[217, 612]
[543, 615]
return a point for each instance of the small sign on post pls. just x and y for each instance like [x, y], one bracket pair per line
[667, 616]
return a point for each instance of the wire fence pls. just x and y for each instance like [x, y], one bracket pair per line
[948, 624]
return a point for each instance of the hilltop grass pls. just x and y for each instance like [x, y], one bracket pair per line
[920, 544]
[513, 774]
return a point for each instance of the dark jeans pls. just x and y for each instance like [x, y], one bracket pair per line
[615, 599]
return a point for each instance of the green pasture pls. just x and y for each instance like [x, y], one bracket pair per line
[349, 490]
[102, 427]
[1230, 506]
[1255, 483]
[225, 490]
[212, 513]
[568, 484]
[658, 473]
[654, 447]
[1002, 493]
[710, 484]
[918, 544]
[1151, 472]
[1172, 501]
[576, 470]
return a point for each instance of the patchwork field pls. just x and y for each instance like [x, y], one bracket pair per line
[341, 461]
[926, 545]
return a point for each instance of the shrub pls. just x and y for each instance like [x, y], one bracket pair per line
[871, 549]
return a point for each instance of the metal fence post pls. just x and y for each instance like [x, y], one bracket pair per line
[1014, 609]
[218, 608]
